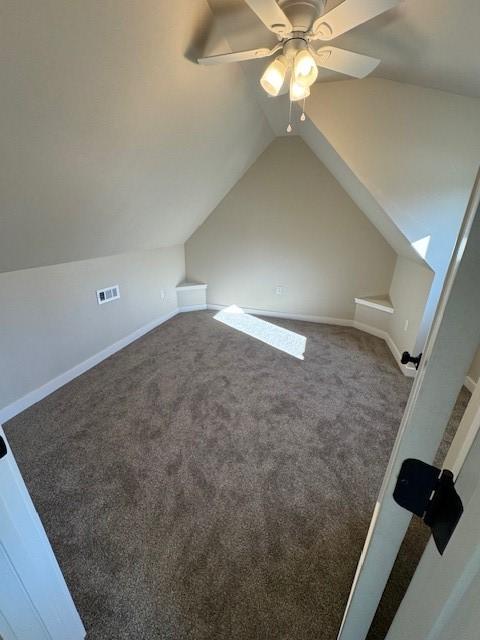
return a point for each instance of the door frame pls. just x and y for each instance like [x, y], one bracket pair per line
[453, 338]
[465, 434]
[43, 607]
[438, 602]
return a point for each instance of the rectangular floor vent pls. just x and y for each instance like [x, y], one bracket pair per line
[108, 294]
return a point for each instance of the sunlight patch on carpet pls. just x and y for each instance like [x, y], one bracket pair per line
[277, 337]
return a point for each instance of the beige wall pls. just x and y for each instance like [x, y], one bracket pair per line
[50, 319]
[288, 223]
[372, 317]
[409, 292]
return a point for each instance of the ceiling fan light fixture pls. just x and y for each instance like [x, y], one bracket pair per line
[274, 76]
[305, 69]
[297, 91]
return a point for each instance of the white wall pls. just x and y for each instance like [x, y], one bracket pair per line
[409, 292]
[368, 317]
[288, 222]
[50, 320]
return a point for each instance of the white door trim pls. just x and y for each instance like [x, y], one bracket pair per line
[35, 601]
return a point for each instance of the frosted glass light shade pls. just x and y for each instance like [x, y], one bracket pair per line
[274, 76]
[304, 68]
[297, 92]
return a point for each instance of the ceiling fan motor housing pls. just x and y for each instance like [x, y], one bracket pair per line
[302, 13]
[295, 43]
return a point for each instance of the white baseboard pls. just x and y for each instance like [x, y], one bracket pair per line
[288, 316]
[192, 307]
[470, 384]
[49, 387]
[405, 369]
[379, 333]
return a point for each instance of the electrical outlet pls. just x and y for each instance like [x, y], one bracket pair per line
[405, 326]
[279, 290]
[162, 294]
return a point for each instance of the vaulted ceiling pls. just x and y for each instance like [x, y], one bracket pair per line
[114, 140]
[403, 144]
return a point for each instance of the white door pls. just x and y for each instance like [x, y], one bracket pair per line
[442, 600]
[453, 339]
[35, 603]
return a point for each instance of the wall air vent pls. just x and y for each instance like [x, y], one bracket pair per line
[108, 294]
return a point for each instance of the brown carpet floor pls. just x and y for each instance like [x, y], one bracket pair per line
[203, 485]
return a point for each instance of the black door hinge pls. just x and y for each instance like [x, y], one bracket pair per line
[429, 493]
[3, 447]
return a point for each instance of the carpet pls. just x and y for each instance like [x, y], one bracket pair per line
[202, 484]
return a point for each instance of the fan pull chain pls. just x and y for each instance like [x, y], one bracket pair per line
[302, 117]
[289, 128]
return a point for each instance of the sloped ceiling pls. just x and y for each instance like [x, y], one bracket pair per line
[415, 150]
[407, 154]
[113, 139]
[432, 43]
[357, 190]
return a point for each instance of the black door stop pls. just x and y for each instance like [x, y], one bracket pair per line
[406, 358]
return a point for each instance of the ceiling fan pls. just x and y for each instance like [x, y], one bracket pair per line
[298, 25]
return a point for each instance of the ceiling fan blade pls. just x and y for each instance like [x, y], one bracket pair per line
[347, 15]
[239, 56]
[347, 62]
[271, 15]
